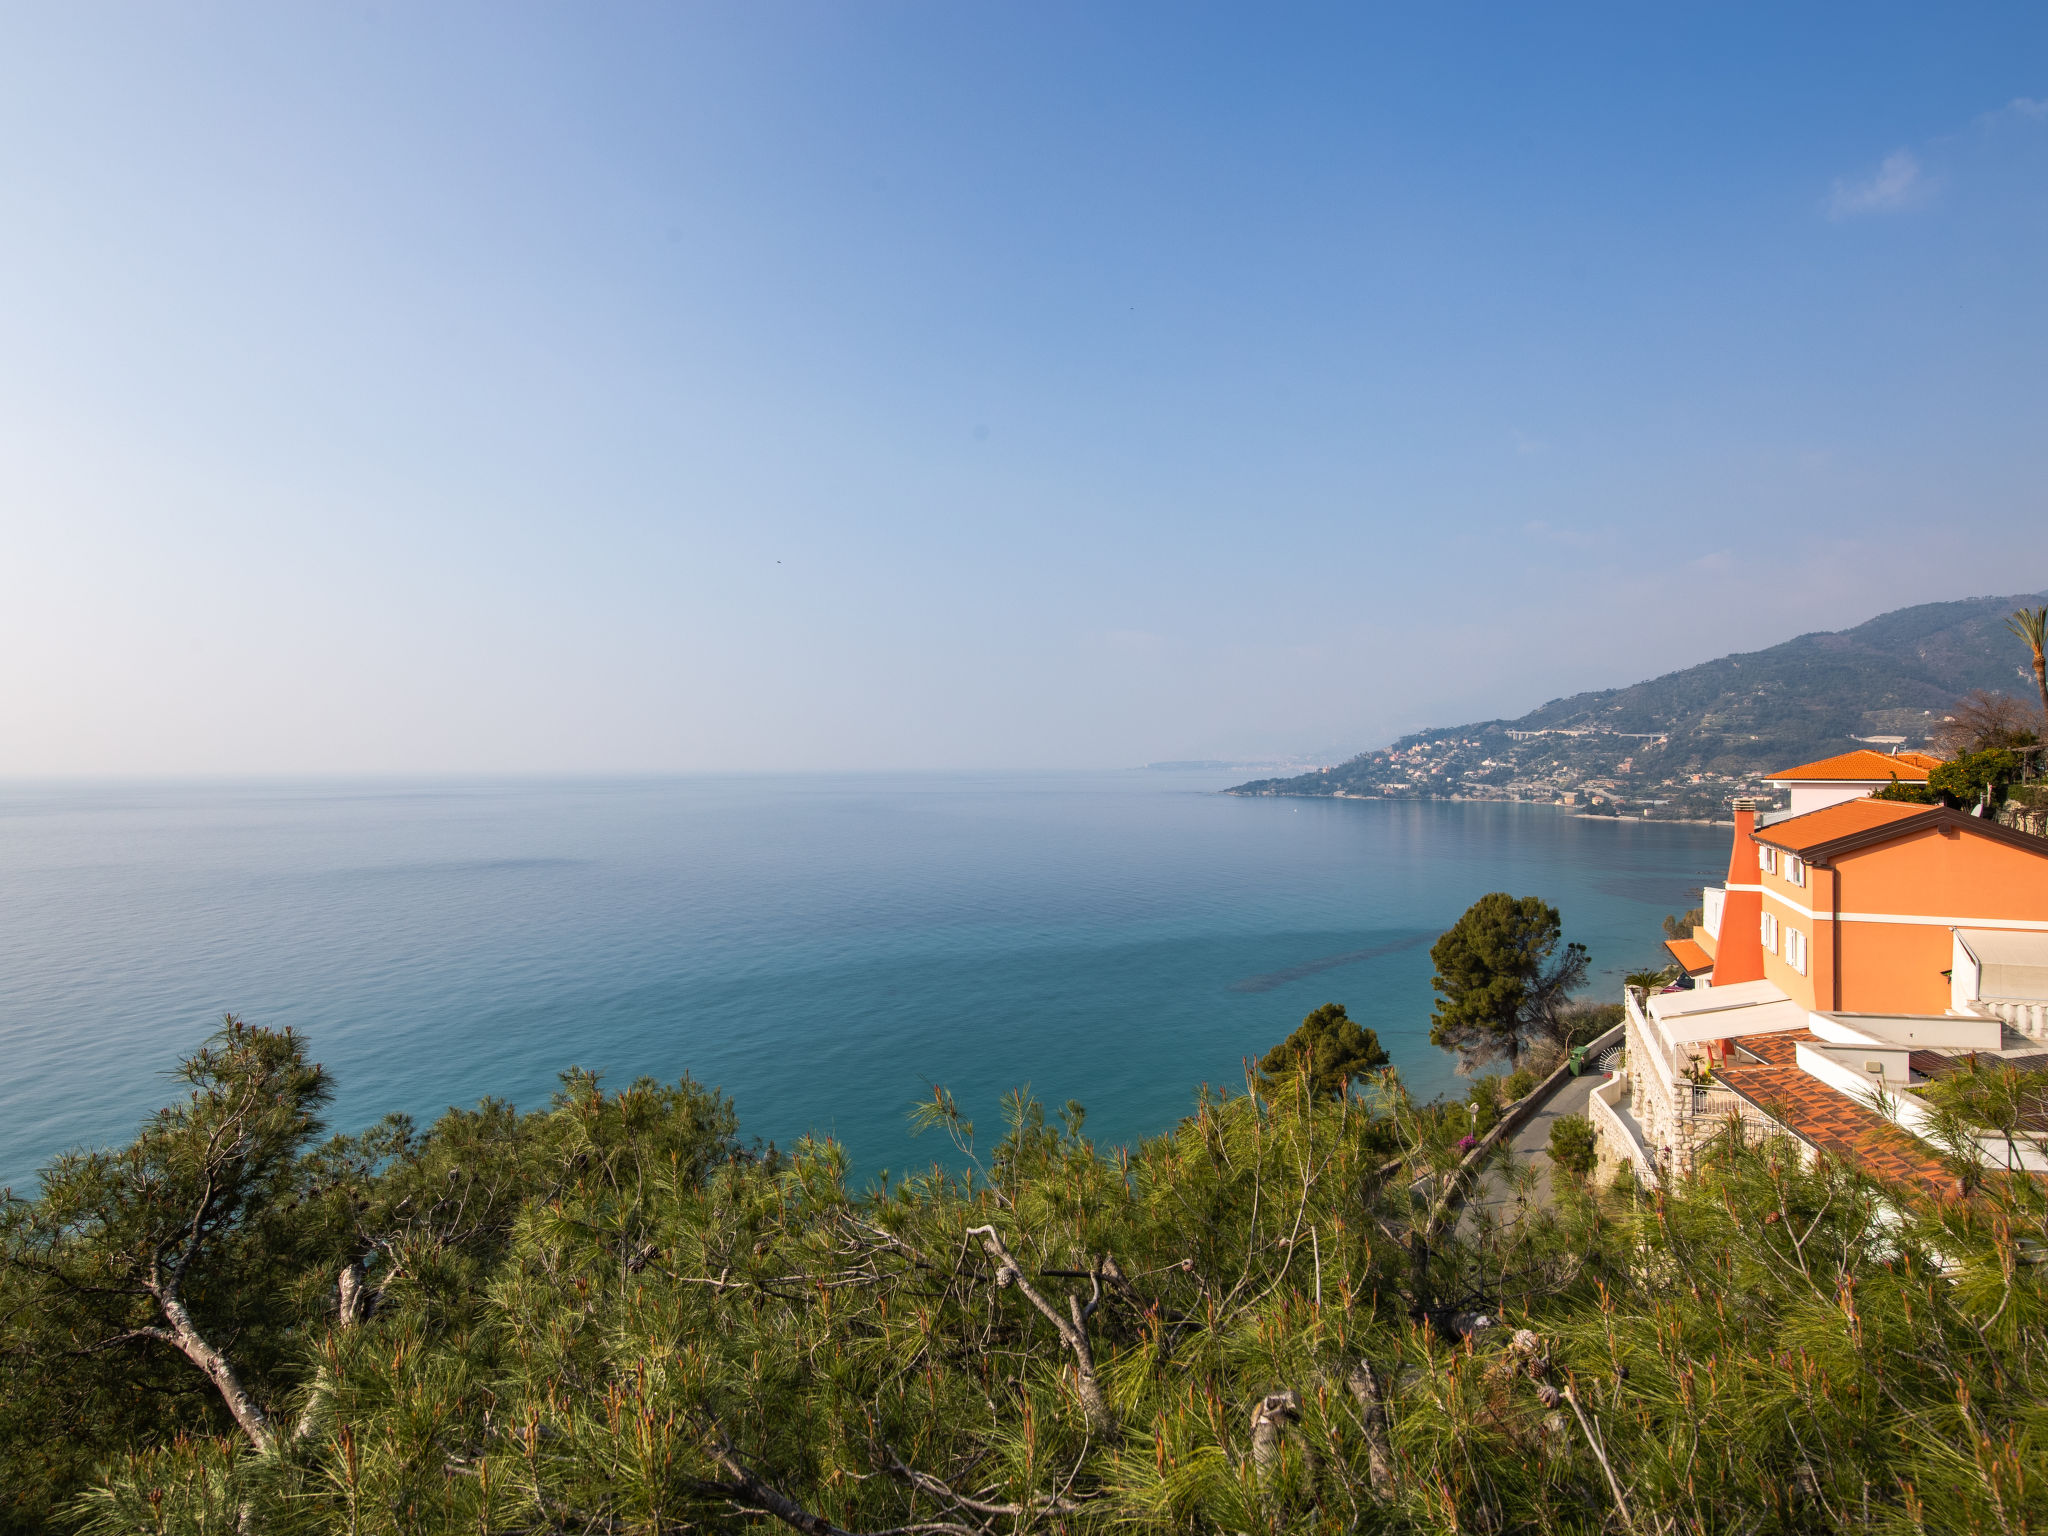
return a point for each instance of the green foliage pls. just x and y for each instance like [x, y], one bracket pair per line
[98, 1271]
[1518, 1084]
[1586, 1022]
[1682, 925]
[1980, 1098]
[1488, 1097]
[1572, 1145]
[1330, 1047]
[1907, 793]
[1976, 778]
[186, 1487]
[1501, 989]
[608, 1315]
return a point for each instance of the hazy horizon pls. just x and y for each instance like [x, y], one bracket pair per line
[513, 390]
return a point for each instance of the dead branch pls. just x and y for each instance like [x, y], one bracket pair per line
[1363, 1381]
[924, 1482]
[1530, 1348]
[1074, 1332]
[774, 1502]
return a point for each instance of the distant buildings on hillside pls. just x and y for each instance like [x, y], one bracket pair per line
[1594, 770]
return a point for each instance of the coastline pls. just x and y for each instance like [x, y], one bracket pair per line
[1577, 814]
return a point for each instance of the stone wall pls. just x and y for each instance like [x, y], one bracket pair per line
[2026, 811]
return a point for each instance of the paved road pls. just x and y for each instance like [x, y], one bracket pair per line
[1532, 1139]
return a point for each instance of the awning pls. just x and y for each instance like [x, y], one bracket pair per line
[2012, 965]
[1691, 958]
[1721, 1013]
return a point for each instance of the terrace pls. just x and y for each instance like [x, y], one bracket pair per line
[2002, 974]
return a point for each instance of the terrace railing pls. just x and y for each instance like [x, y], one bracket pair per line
[1677, 1113]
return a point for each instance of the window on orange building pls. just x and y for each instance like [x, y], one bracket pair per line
[1795, 950]
[1770, 932]
[1795, 869]
[1768, 857]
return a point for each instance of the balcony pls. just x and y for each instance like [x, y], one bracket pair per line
[1671, 1110]
[2001, 974]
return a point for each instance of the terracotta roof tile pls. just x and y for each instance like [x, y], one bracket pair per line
[1832, 1122]
[1798, 833]
[1860, 767]
[1929, 1063]
[1776, 1050]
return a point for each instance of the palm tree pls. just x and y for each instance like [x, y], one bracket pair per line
[2031, 625]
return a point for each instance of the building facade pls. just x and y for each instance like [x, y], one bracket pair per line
[1856, 950]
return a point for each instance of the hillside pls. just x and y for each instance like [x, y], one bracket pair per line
[1680, 744]
[612, 1314]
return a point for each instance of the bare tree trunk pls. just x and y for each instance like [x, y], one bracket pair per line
[353, 1296]
[1418, 1266]
[186, 1336]
[1379, 1454]
[1073, 1331]
[1272, 1416]
[353, 1300]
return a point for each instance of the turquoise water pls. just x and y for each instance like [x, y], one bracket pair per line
[824, 948]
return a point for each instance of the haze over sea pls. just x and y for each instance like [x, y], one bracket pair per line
[822, 947]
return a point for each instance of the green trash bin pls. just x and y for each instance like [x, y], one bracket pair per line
[1578, 1060]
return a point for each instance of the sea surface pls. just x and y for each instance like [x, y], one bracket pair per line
[824, 948]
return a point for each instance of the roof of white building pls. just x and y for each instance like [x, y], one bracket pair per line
[1862, 766]
[1724, 1013]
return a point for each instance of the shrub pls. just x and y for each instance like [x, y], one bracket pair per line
[1572, 1146]
[1488, 1094]
[1330, 1046]
[1975, 778]
[609, 1314]
[1587, 1022]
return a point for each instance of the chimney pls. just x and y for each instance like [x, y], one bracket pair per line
[1739, 954]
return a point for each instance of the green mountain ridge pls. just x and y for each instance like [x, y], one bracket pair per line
[1679, 745]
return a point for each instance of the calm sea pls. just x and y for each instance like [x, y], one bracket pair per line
[824, 948]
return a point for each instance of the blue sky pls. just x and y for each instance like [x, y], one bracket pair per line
[528, 388]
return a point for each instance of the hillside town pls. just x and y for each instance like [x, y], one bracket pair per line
[1601, 772]
[1681, 746]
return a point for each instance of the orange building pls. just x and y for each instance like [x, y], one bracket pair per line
[1876, 943]
[1854, 907]
[1861, 901]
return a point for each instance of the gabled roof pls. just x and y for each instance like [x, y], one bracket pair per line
[1831, 823]
[1853, 824]
[1862, 766]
